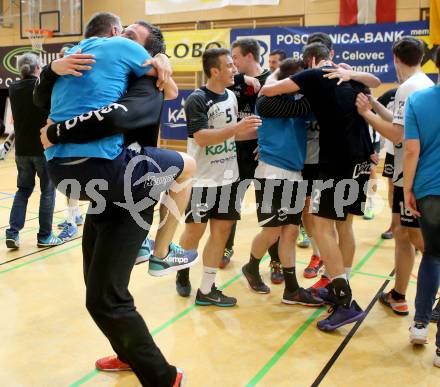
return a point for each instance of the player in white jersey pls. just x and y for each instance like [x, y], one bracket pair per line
[387, 100]
[408, 54]
[211, 113]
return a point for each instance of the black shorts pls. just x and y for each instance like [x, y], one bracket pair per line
[279, 202]
[246, 158]
[376, 146]
[388, 166]
[310, 173]
[406, 218]
[341, 191]
[213, 203]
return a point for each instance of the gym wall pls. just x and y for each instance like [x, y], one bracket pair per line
[311, 12]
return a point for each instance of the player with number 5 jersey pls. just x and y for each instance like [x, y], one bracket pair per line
[211, 114]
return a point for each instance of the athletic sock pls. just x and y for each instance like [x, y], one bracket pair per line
[347, 271]
[290, 280]
[314, 247]
[208, 279]
[253, 265]
[77, 211]
[74, 205]
[273, 252]
[71, 212]
[341, 276]
[397, 296]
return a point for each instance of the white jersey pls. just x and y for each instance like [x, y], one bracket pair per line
[216, 164]
[388, 145]
[416, 82]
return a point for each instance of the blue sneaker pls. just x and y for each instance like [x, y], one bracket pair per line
[12, 242]
[69, 231]
[145, 251]
[79, 220]
[62, 225]
[177, 259]
[50, 241]
[303, 239]
[340, 315]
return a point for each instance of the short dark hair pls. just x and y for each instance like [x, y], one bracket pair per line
[409, 50]
[320, 37]
[210, 59]
[248, 46]
[155, 43]
[289, 67]
[282, 54]
[317, 50]
[101, 24]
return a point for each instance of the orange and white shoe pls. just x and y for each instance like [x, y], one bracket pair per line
[111, 364]
[399, 307]
[323, 282]
[312, 269]
[180, 378]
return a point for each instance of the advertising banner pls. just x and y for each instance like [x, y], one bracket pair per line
[185, 48]
[173, 122]
[365, 47]
[9, 56]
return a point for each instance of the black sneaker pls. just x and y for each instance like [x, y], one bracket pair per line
[436, 313]
[255, 281]
[214, 297]
[301, 297]
[12, 243]
[276, 273]
[183, 284]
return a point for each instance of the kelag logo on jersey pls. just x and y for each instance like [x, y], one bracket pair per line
[173, 123]
[264, 42]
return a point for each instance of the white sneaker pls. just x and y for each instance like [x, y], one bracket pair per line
[418, 333]
[437, 358]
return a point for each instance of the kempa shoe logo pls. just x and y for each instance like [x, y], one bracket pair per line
[177, 260]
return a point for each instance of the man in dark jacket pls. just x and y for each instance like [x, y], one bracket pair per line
[29, 157]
